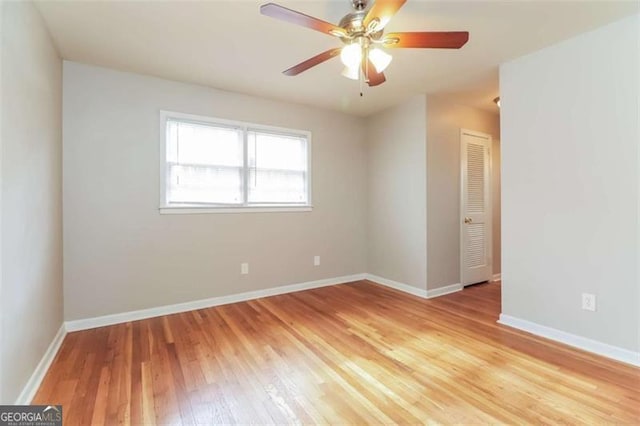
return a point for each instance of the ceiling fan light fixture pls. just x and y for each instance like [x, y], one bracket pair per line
[380, 59]
[362, 32]
[351, 73]
[351, 55]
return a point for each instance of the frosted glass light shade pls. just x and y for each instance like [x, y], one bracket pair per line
[380, 59]
[352, 73]
[351, 55]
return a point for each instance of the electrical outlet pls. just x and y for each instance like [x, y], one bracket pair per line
[244, 268]
[316, 260]
[588, 302]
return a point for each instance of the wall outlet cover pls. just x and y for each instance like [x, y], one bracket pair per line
[588, 302]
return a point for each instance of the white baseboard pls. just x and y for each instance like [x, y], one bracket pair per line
[425, 294]
[397, 285]
[87, 323]
[589, 345]
[496, 277]
[441, 291]
[30, 389]
[102, 321]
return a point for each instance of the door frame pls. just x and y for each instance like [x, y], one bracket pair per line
[489, 194]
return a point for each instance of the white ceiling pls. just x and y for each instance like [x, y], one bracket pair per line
[228, 44]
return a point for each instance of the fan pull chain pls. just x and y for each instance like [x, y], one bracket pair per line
[365, 72]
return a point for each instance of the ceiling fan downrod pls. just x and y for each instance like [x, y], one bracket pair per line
[359, 5]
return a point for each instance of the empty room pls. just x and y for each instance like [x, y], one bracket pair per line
[319, 212]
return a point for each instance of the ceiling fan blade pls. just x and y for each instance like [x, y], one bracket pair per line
[312, 62]
[373, 77]
[435, 40]
[288, 15]
[383, 10]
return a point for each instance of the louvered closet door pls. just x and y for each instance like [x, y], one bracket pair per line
[475, 220]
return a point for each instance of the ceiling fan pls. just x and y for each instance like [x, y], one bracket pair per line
[362, 35]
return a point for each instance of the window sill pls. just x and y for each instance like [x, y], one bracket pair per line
[217, 210]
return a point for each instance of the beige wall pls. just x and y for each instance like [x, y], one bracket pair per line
[31, 231]
[122, 255]
[570, 118]
[396, 238]
[444, 121]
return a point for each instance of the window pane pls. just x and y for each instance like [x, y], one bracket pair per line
[277, 168]
[191, 143]
[277, 186]
[198, 184]
[204, 164]
[269, 151]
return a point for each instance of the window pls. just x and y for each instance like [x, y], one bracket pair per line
[211, 165]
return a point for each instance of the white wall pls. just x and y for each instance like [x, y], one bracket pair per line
[30, 172]
[397, 234]
[122, 255]
[570, 167]
[444, 121]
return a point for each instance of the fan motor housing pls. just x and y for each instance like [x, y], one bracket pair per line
[352, 24]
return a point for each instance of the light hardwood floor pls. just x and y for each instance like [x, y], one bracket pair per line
[353, 353]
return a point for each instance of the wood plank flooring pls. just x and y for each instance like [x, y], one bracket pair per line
[353, 353]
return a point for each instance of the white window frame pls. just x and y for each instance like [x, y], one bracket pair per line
[166, 208]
